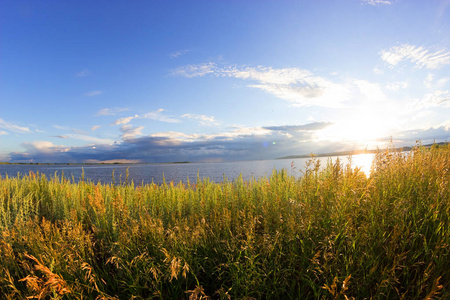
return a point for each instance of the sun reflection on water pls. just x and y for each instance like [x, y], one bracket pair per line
[363, 161]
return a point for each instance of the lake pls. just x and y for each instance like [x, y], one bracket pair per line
[146, 173]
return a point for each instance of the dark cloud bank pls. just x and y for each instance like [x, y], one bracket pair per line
[266, 143]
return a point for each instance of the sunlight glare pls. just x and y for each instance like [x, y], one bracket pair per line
[363, 128]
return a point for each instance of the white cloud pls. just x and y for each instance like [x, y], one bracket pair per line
[83, 73]
[95, 127]
[431, 82]
[418, 55]
[43, 147]
[436, 99]
[377, 2]
[3, 132]
[178, 53]
[123, 121]
[158, 116]
[377, 71]
[398, 85]
[129, 131]
[154, 115]
[298, 86]
[191, 71]
[12, 127]
[236, 133]
[428, 81]
[202, 119]
[92, 93]
[111, 111]
[88, 138]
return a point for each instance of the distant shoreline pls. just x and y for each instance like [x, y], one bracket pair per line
[89, 164]
[354, 152]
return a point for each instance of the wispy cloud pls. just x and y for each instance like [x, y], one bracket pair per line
[397, 85]
[83, 73]
[159, 116]
[377, 71]
[377, 2]
[420, 56]
[61, 127]
[431, 82]
[2, 132]
[153, 115]
[436, 99]
[95, 127]
[88, 138]
[199, 70]
[67, 128]
[80, 135]
[60, 136]
[202, 119]
[92, 93]
[178, 53]
[123, 121]
[111, 111]
[298, 86]
[13, 127]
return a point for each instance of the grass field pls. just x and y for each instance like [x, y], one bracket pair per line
[331, 234]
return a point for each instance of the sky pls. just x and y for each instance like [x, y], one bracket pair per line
[220, 80]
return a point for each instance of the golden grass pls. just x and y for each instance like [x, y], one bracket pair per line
[331, 234]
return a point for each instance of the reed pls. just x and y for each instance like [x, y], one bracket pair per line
[331, 234]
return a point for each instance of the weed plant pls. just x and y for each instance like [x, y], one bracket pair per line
[333, 233]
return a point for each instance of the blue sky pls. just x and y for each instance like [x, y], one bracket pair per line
[159, 81]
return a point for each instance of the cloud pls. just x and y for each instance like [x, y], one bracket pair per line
[60, 136]
[61, 127]
[178, 53]
[377, 71]
[398, 85]
[95, 127]
[306, 127]
[299, 87]
[12, 127]
[92, 93]
[431, 82]
[436, 99]
[377, 2]
[88, 138]
[3, 132]
[192, 71]
[123, 121]
[239, 143]
[83, 73]
[81, 135]
[129, 131]
[202, 119]
[428, 81]
[417, 55]
[158, 116]
[154, 115]
[430, 135]
[111, 111]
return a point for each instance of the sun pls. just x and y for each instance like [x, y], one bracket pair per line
[360, 128]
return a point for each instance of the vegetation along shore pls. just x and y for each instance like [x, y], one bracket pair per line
[334, 233]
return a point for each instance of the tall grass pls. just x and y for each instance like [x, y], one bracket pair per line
[331, 234]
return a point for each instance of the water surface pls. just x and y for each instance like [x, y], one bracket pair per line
[147, 173]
